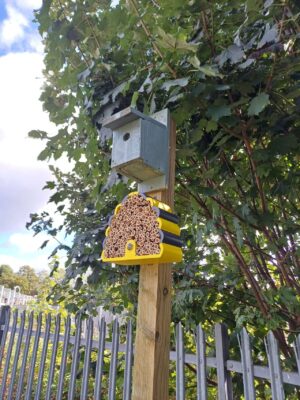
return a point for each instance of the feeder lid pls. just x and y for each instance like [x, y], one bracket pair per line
[125, 116]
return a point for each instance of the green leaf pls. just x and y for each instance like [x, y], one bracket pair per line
[207, 191]
[195, 61]
[253, 5]
[175, 82]
[44, 244]
[283, 144]
[169, 41]
[233, 53]
[49, 185]
[196, 135]
[238, 231]
[208, 70]
[134, 99]
[44, 154]
[258, 104]
[37, 134]
[270, 35]
[78, 283]
[211, 126]
[217, 112]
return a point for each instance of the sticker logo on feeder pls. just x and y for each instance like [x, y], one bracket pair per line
[142, 230]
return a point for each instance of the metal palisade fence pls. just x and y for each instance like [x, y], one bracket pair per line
[47, 357]
[42, 357]
[226, 370]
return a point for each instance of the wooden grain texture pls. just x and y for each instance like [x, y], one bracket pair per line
[152, 344]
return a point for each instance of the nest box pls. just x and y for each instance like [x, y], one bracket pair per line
[140, 147]
[142, 230]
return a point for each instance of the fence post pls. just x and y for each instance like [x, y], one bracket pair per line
[222, 353]
[247, 365]
[9, 297]
[1, 294]
[180, 359]
[274, 366]
[4, 313]
[201, 364]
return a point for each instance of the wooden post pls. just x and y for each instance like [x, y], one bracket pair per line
[152, 344]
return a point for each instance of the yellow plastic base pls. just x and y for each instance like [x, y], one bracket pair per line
[167, 254]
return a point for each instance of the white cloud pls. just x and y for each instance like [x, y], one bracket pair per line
[20, 194]
[28, 4]
[22, 248]
[21, 175]
[26, 243]
[13, 27]
[17, 30]
[35, 43]
[20, 82]
[39, 263]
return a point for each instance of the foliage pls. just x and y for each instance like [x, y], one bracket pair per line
[26, 278]
[229, 71]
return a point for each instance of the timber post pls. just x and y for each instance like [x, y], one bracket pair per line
[152, 344]
[144, 149]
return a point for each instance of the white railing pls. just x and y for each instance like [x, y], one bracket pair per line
[13, 297]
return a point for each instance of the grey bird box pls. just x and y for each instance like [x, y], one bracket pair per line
[140, 145]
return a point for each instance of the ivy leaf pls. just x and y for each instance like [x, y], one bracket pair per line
[258, 104]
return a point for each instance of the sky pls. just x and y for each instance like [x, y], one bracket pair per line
[22, 176]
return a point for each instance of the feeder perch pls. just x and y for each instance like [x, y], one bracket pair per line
[140, 147]
[142, 230]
